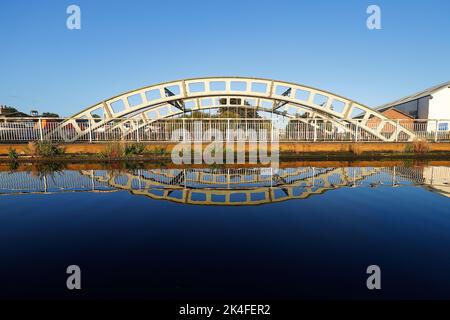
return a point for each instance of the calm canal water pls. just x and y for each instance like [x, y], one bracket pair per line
[301, 232]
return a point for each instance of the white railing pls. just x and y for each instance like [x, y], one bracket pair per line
[219, 129]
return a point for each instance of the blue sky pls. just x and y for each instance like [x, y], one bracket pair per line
[124, 45]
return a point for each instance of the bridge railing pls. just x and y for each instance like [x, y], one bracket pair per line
[221, 129]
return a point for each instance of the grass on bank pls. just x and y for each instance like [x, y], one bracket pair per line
[418, 146]
[45, 149]
[12, 154]
[120, 150]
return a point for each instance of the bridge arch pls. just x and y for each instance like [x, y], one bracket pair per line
[165, 100]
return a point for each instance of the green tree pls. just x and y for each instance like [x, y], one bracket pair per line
[199, 114]
[237, 109]
[7, 110]
[50, 115]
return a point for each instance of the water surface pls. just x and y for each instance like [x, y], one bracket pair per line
[301, 232]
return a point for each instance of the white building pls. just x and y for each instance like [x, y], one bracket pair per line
[432, 103]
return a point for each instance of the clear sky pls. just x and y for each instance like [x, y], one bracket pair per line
[124, 45]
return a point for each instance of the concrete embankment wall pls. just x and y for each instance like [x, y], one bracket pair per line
[34, 166]
[284, 147]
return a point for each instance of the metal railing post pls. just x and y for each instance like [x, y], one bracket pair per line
[40, 130]
[396, 130]
[90, 130]
[137, 131]
[436, 131]
[228, 129]
[315, 130]
[184, 130]
[271, 130]
[356, 130]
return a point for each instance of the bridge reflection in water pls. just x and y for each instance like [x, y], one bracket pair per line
[249, 186]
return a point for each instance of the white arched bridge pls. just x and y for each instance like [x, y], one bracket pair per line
[240, 101]
[222, 108]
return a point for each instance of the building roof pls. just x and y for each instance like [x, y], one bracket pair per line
[17, 114]
[415, 96]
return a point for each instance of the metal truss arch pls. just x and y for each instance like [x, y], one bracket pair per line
[164, 100]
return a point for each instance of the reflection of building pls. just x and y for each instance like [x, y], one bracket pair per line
[438, 179]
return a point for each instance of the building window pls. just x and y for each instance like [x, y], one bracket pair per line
[443, 126]
[411, 108]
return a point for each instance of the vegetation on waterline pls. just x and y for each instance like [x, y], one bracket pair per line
[133, 149]
[121, 150]
[45, 149]
[418, 146]
[12, 154]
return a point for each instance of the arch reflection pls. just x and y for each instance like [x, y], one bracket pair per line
[229, 187]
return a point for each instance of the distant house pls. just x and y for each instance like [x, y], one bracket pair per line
[399, 116]
[47, 120]
[403, 119]
[10, 112]
[432, 103]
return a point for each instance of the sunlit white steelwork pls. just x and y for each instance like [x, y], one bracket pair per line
[140, 108]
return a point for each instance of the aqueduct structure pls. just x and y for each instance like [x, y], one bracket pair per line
[307, 113]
